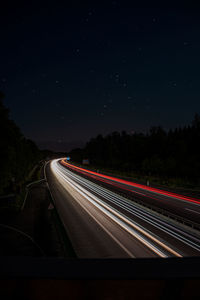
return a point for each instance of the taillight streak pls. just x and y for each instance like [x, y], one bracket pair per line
[124, 182]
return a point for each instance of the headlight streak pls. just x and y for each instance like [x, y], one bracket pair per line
[96, 220]
[106, 211]
[141, 213]
[120, 219]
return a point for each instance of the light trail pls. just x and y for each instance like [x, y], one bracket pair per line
[144, 236]
[138, 210]
[129, 183]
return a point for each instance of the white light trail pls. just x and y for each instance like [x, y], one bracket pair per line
[132, 228]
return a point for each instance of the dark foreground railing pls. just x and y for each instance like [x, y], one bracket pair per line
[51, 278]
[58, 268]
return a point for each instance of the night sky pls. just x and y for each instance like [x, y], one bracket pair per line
[71, 71]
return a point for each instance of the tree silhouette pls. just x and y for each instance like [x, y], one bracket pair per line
[17, 154]
[172, 154]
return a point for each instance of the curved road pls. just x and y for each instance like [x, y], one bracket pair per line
[102, 224]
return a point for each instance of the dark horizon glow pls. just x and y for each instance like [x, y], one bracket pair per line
[72, 71]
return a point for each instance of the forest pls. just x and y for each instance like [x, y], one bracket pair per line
[18, 155]
[165, 154]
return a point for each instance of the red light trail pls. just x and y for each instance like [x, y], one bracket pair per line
[100, 176]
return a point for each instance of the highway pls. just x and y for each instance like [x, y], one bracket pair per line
[180, 205]
[103, 224]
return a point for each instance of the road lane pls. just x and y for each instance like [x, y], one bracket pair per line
[103, 224]
[93, 234]
[183, 206]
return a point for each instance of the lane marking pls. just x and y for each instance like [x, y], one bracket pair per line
[196, 212]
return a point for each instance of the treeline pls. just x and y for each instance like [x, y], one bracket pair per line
[165, 154]
[18, 155]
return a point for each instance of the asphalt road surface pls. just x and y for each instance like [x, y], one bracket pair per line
[180, 205]
[103, 224]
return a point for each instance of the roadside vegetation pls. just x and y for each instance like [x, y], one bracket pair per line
[19, 156]
[170, 158]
